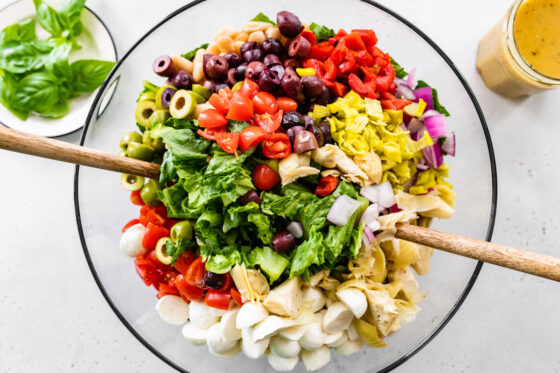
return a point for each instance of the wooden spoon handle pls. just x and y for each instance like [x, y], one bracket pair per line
[509, 257]
[23, 142]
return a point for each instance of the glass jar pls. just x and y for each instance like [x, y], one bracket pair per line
[501, 65]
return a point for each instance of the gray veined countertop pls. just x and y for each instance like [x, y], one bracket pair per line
[54, 319]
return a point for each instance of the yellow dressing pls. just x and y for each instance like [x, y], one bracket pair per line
[537, 35]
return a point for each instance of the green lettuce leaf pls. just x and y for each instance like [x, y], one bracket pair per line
[270, 262]
[310, 252]
[399, 70]
[224, 261]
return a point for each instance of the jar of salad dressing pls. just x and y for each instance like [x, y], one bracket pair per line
[521, 54]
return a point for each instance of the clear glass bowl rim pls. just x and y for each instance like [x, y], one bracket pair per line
[451, 65]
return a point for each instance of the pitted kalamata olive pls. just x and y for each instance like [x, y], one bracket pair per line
[293, 132]
[181, 80]
[253, 55]
[324, 97]
[272, 46]
[250, 45]
[316, 132]
[254, 70]
[291, 84]
[325, 127]
[250, 196]
[219, 86]
[213, 280]
[312, 86]
[163, 66]
[291, 119]
[308, 121]
[288, 24]
[240, 72]
[205, 58]
[231, 77]
[291, 62]
[269, 81]
[271, 60]
[300, 48]
[283, 242]
[278, 69]
[210, 85]
[166, 97]
[217, 68]
[233, 59]
[304, 142]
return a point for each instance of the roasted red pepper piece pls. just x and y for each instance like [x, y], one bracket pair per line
[330, 70]
[310, 36]
[347, 67]
[338, 89]
[363, 58]
[357, 85]
[354, 42]
[322, 51]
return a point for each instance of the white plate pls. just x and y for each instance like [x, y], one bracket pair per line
[96, 42]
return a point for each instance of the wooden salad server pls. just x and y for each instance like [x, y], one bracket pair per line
[509, 257]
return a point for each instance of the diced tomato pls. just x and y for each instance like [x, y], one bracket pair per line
[357, 85]
[270, 122]
[241, 107]
[216, 299]
[151, 256]
[149, 214]
[187, 291]
[169, 276]
[165, 289]
[354, 41]
[277, 145]
[338, 54]
[221, 100]
[264, 177]
[211, 118]
[326, 186]
[136, 199]
[251, 136]
[236, 295]
[249, 88]
[152, 235]
[146, 270]
[265, 102]
[338, 89]
[310, 36]
[195, 273]
[210, 134]
[130, 224]
[228, 141]
[228, 282]
[184, 261]
[286, 104]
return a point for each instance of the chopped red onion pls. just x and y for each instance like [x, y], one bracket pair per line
[295, 228]
[422, 165]
[448, 146]
[411, 80]
[403, 91]
[415, 125]
[369, 233]
[399, 81]
[425, 94]
[433, 155]
[369, 217]
[435, 125]
[342, 209]
[382, 194]
[429, 113]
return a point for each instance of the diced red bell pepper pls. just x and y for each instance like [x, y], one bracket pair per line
[316, 65]
[354, 42]
[395, 104]
[321, 51]
[363, 58]
[340, 34]
[338, 89]
[383, 83]
[347, 67]
[339, 54]
[310, 36]
[357, 85]
[368, 37]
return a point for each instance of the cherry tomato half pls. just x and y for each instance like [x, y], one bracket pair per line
[249, 88]
[241, 107]
[216, 299]
[236, 295]
[250, 137]
[228, 141]
[149, 214]
[130, 224]
[210, 134]
[277, 145]
[221, 100]
[188, 292]
[270, 122]
[265, 102]
[184, 261]
[152, 235]
[264, 177]
[146, 270]
[195, 273]
[211, 118]
[286, 104]
[136, 199]
[165, 289]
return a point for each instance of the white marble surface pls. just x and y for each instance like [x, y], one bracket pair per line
[54, 319]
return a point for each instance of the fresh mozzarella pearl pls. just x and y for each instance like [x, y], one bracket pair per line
[251, 349]
[173, 309]
[293, 333]
[314, 337]
[349, 347]
[216, 342]
[316, 359]
[343, 338]
[250, 314]
[216, 312]
[355, 300]
[337, 318]
[282, 364]
[230, 331]
[333, 337]
[231, 353]
[200, 316]
[284, 347]
[269, 326]
[352, 332]
[131, 241]
[314, 298]
[194, 334]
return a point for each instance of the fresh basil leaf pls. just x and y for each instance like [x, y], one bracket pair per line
[190, 54]
[73, 11]
[57, 62]
[8, 87]
[263, 18]
[321, 32]
[437, 106]
[50, 19]
[399, 70]
[37, 92]
[22, 31]
[58, 110]
[89, 74]
[18, 58]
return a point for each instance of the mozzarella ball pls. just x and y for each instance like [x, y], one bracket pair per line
[355, 300]
[173, 309]
[343, 338]
[314, 298]
[352, 332]
[349, 347]
[293, 333]
[250, 314]
[282, 364]
[216, 341]
[250, 348]
[131, 241]
[200, 316]
[195, 335]
[229, 330]
[283, 347]
[337, 318]
[316, 359]
[313, 337]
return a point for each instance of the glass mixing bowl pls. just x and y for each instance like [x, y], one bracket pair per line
[102, 207]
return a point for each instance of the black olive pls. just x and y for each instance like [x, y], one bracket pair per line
[283, 242]
[181, 80]
[163, 66]
[288, 24]
[250, 196]
[325, 127]
[213, 280]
